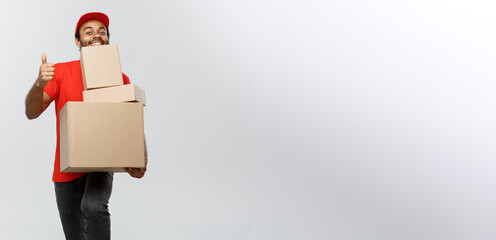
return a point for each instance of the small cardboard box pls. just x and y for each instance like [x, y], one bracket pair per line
[124, 93]
[101, 66]
[101, 137]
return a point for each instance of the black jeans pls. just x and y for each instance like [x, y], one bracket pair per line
[83, 206]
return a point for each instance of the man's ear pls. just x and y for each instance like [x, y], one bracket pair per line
[78, 43]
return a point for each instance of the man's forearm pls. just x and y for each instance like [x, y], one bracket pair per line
[34, 101]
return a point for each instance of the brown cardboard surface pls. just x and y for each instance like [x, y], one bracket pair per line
[101, 137]
[101, 66]
[124, 93]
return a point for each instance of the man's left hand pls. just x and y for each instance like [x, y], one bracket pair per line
[137, 172]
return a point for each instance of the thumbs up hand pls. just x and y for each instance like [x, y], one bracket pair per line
[46, 72]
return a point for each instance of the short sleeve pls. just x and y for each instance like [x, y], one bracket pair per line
[125, 78]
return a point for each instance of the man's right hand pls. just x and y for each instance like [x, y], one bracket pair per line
[46, 72]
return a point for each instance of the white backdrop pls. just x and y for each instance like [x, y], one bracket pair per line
[275, 119]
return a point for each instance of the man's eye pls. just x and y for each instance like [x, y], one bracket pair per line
[103, 33]
[89, 33]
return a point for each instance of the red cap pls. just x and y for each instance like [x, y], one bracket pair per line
[93, 16]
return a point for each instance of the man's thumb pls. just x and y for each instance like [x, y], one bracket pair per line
[43, 58]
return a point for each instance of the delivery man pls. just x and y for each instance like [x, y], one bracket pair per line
[82, 198]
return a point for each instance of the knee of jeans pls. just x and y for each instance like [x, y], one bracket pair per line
[93, 209]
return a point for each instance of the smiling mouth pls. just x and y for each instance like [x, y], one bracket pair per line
[96, 42]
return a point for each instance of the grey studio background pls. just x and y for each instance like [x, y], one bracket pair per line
[274, 119]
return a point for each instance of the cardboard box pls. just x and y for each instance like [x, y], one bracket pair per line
[101, 137]
[101, 66]
[124, 93]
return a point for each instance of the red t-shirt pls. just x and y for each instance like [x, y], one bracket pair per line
[67, 85]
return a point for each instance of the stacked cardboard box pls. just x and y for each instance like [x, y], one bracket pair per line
[104, 133]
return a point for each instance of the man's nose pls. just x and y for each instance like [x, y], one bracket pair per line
[97, 35]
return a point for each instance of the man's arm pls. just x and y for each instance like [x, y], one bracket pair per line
[37, 100]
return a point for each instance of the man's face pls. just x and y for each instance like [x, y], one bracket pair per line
[92, 33]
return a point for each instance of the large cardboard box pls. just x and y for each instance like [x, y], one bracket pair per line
[101, 137]
[124, 93]
[101, 66]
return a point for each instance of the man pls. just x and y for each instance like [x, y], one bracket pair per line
[82, 198]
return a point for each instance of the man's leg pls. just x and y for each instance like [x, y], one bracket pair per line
[69, 196]
[95, 205]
